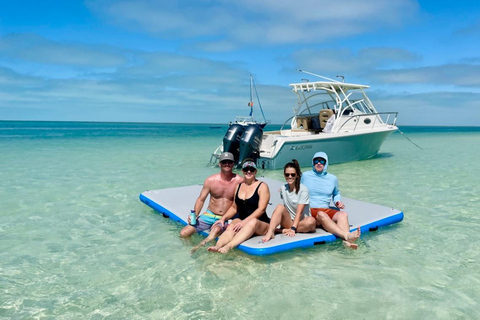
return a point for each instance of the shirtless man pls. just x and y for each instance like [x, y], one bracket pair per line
[221, 188]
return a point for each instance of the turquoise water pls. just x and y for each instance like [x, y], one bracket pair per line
[76, 243]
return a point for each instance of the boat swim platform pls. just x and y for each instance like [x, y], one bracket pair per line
[176, 203]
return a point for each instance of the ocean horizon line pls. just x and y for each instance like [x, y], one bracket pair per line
[208, 123]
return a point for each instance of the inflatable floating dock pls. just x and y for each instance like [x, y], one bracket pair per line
[176, 203]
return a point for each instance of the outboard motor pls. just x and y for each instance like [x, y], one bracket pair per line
[231, 141]
[250, 143]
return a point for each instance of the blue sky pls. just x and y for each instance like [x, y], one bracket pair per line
[190, 61]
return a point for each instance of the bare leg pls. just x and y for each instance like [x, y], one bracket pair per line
[226, 237]
[308, 224]
[214, 232]
[341, 218]
[338, 226]
[187, 231]
[277, 217]
[253, 226]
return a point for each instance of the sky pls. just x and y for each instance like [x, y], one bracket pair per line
[191, 61]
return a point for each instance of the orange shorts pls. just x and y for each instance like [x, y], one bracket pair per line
[328, 211]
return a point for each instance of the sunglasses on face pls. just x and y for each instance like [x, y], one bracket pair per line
[249, 169]
[226, 162]
[317, 161]
[293, 175]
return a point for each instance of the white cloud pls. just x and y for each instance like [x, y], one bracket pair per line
[34, 48]
[164, 90]
[115, 84]
[346, 61]
[382, 66]
[161, 87]
[465, 75]
[256, 22]
[431, 108]
[473, 29]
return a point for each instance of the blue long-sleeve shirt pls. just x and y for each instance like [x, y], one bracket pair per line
[322, 186]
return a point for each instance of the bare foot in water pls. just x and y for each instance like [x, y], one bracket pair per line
[224, 249]
[353, 236]
[350, 245]
[196, 248]
[268, 236]
[213, 249]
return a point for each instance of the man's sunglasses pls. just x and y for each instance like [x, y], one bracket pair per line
[317, 161]
[226, 162]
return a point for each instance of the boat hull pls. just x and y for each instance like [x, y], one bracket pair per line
[339, 147]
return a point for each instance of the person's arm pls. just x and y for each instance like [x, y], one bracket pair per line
[298, 215]
[337, 197]
[201, 199]
[264, 197]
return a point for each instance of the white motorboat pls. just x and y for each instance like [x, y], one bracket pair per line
[331, 116]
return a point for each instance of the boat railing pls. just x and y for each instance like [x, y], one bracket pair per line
[243, 119]
[380, 118]
[216, 154]
[384, 118]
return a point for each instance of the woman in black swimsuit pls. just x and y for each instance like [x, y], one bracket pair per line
[251, 200]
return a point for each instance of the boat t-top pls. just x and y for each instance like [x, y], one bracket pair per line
[331, 116]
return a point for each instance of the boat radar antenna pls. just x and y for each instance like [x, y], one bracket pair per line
[343, 78]
[316, 75]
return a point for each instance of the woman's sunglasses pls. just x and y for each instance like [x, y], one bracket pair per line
[249, 169]
[293, 175]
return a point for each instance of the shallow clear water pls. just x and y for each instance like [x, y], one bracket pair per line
[75, 241]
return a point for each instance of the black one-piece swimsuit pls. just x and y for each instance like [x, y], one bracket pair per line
[248, 206]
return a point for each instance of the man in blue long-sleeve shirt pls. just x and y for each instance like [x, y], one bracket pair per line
[323, 188]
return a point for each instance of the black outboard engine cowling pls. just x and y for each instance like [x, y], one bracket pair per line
[231, 141]
[250, 143]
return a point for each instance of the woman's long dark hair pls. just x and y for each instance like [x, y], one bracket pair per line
[294, 164]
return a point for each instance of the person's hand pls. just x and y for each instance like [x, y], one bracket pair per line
[220, 223]
[238, 226]
[288, 232]
[339, 204]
